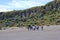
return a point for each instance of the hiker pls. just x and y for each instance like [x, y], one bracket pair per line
[42, 28]
[33, 27]
[29, 27]
[37, 27]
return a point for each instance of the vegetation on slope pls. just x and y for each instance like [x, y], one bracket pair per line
[41, 15]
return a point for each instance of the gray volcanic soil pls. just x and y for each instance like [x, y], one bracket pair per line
[49, 33]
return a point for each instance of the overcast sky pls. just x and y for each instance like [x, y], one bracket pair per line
[8, 5]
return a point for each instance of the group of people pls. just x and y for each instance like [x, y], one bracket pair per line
[34, 27]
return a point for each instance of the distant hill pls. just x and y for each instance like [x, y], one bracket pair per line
[48, 14]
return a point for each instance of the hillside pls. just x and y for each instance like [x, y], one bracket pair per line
[48, 14]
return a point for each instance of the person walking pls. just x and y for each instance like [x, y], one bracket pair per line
[29, 27]
[42, 28]
[34, 27]
[37, 28]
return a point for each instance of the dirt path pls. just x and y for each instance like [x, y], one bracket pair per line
[49, 33]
